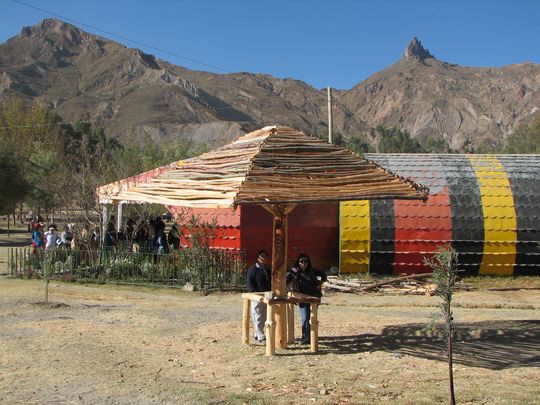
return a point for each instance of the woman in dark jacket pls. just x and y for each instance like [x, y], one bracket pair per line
[303, 278]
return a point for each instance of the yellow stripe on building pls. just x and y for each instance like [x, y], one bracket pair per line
[354, 236]
[500, 224]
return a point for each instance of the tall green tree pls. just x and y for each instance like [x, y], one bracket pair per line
[135, 157]
[434, 144]
[393, 140]
[526, 139]
[28, 136]
[48, 164]
[359, 145]
[354, 143]
[13, 185]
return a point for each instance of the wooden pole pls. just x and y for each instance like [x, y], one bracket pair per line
[269, 329]
[279, 270]
[290, 323]
[314, 334]
[104, 222]
[119, 215]
[245, 321]
[329, 114]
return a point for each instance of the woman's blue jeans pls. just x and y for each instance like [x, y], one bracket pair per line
[305, 313]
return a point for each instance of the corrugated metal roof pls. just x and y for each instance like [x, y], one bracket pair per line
[268, 166]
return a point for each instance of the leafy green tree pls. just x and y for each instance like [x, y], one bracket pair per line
[337, 139]
[44, 173]
[13, 185]
[359, 145]
[434, 144]
[354, 143]
[87, 156]
[395, 141]
[60, 165]
[135, 157]
[28, 133]
[526, 139]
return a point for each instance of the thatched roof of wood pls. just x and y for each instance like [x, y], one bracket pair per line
[268, 166]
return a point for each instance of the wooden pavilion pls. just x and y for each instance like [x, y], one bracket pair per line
[275, 167]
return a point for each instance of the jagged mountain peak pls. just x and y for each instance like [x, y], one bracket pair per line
[415, 51]
[51, 27]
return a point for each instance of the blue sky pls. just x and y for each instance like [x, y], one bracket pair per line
[336, 43]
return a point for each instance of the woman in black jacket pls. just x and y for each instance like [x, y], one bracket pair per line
[303, 278]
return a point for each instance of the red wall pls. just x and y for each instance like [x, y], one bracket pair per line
[313, 229]
[227, 234]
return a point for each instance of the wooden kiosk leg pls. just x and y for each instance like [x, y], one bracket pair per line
[269, 330]
[245, 321]
[314, 335]
[290, 323]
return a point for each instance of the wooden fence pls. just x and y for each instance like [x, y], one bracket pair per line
[203, 269]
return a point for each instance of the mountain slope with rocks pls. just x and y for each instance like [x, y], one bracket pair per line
[134, 94]
[467, 107]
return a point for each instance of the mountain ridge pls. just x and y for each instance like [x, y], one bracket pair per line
[134, 94]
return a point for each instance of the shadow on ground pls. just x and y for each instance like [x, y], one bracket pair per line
[15, 238]
[493, 345]
[15, 243]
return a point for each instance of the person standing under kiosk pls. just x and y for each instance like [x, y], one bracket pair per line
[303, 278]
[259, 279]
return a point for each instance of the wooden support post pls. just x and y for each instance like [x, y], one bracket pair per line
[314, 322]
[119, 217]
[330, 125]
[279, 270]
[290, 323]
[269, 330]
[245, 321]
[104, 222]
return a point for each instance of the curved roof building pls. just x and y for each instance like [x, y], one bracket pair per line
[486, 206]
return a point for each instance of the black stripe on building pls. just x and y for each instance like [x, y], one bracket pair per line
[467, 213]
[523, 176]
[383, 235]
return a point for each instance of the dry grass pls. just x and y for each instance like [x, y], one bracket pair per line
[109, 344]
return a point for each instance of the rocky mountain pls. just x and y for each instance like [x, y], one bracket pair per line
[467, 107]
[130, 93]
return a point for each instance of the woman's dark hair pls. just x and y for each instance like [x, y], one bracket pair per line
[302, 256]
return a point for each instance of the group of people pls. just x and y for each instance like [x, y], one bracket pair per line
[302, 277]
[148, 236]
[51, 239]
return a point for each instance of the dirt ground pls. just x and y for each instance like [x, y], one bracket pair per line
[104, 344]
[110, 344]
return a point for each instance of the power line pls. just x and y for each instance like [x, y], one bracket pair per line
[129, 40]
[122, 37]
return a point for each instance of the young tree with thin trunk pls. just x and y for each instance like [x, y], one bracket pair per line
[444, 265]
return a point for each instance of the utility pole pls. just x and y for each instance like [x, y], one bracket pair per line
[329, 114]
